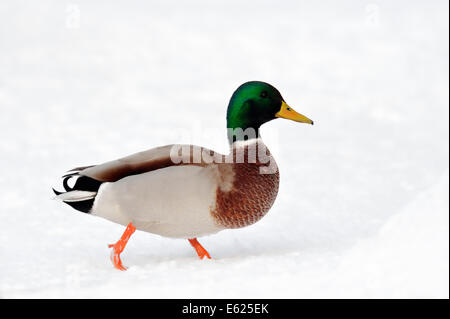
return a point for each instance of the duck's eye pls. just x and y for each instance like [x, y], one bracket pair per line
[288, 108]
[263, 94]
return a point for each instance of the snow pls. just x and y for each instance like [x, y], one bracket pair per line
[363, 205]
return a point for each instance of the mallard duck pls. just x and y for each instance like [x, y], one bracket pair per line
[185, 191]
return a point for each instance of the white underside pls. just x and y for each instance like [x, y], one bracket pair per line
[174, 202]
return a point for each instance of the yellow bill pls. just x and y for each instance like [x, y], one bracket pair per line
[288, 112]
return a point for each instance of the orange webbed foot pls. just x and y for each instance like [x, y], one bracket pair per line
[201, 252]
[115, 256]
[120, 246]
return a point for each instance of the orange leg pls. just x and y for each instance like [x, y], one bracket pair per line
[120, 246]
[201, 252]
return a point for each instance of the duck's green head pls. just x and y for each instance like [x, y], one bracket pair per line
[255, 103]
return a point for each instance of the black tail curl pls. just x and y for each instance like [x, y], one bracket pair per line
[83, 183]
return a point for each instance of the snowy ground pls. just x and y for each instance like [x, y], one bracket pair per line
[363, 203]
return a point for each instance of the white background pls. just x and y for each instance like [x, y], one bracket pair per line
[363, 204]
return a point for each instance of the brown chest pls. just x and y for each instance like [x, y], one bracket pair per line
[251, 196]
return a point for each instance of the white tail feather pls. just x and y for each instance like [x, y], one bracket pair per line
[76, 196]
